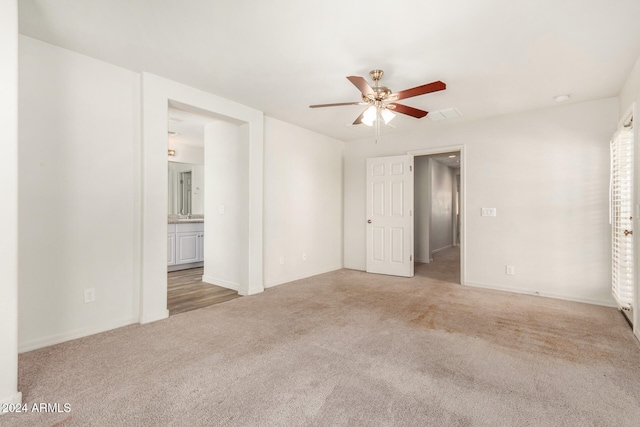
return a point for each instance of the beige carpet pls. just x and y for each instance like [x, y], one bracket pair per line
[348, 348]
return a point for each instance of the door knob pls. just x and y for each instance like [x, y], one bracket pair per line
[369, 221]
[627, 232]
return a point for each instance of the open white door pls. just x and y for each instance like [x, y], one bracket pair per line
[390, 215]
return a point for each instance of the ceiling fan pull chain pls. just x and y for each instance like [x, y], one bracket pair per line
[377, 123]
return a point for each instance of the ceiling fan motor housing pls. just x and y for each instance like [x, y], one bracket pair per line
[382, 93]
[376, 75]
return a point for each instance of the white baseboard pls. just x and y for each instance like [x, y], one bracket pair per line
[14, 399]
[435, 251]
[178, 267]
[425, 261]
[221, 282]
[295, 277]
[542, 294]
[153, 318]
[355, 267]
[68, 336]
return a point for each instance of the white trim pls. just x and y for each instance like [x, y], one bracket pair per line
[162, 314]
[532, 292]
[221, 282]
[15, 399]
[78, 333]
[435, 251]
[437, 150]
[178, 267]
[423, 261]
[463, 198]
[632, 112]
[295, 277]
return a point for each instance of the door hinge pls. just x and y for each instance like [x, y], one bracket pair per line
[410, 257]
[410, 168]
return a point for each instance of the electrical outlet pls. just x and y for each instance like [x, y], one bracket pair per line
[89, 295]
[281, 260]
[510, 270]
[304, 256]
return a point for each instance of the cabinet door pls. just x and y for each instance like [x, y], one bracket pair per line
[171, 249]
[187, 247]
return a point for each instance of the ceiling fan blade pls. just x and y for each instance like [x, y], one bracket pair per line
[420, 90]
[359, 119]
[361, 84]
[409, 111]
[335, 105]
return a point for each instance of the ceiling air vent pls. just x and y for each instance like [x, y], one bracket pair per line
[447, 113]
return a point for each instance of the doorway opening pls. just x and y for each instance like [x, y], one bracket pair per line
[438, 199]
[234, 257]
[186, 289]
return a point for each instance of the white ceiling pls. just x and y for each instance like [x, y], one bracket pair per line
[280, 56]
[448, 159]
[189, 127]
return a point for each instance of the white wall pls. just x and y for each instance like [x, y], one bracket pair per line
[441, 227]
[546, 172]
[303, 202]
[226, 244]
[186, 153]
[434, 207]
[84, 179]
[422, 207]
[78, 195]
[9, 212]
[629, 94]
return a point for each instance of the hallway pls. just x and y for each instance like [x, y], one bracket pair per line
[444, 267]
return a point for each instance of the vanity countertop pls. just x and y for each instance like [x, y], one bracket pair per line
[184, 220]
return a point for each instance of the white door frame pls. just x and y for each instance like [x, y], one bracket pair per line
[157, 93]
[463, 196]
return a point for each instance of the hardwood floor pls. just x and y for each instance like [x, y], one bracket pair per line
[187, 291]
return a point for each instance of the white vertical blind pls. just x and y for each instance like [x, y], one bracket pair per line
[622, 216]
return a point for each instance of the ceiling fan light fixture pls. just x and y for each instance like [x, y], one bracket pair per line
[369, 116]
[387, 116]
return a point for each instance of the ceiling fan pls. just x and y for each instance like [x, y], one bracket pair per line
[381, 100]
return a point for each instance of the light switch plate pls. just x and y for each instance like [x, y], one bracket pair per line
[488, 212]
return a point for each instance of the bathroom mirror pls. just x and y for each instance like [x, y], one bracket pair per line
[186, 189]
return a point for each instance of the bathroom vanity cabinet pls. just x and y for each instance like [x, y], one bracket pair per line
[185, 245]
